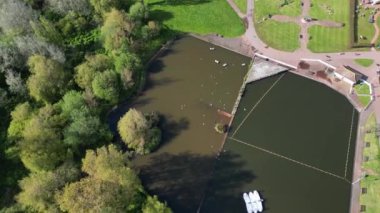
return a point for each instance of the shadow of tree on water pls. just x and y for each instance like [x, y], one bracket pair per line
[224, 193]
[182, 179]
[171, 128]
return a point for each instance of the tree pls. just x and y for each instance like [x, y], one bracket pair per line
[126, 64]
[138, 11]
[116, 30]
[15, 16]
[20, 116]
[72, 100]
[85, 72]
[10, 58]
[15, 83]
[110, 187]
[38, 189]
[139, 132]
[106, 86]
[102, 6]
[72, 23]
[85, 129]
[46, 30]
[30, 45]
[65, 6]
[153, 205]
[48, 80]
[41, 146]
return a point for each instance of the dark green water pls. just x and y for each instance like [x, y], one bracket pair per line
[298, 119]
[186, 87]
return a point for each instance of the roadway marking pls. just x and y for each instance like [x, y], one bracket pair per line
[257, 103]
[290, 159]
[349, 142]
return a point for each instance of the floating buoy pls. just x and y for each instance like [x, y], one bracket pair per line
[216, 61]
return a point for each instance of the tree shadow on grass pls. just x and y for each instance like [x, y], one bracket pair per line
[182, 179]
[160, 15]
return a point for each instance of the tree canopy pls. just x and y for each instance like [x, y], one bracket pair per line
[139, 132]
[48, 81]
[111, 185]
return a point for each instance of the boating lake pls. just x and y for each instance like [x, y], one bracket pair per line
[186, 87]
[293, 146]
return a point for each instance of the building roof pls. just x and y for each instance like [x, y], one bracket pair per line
[349, 73]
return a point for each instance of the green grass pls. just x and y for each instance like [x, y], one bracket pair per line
[326, 39]
[263, 8]
[364, 99]
[372, 181]
[242, 4]
[365, 62]
[282, 36]
[365, 28]
[362, 89]
[203, 17]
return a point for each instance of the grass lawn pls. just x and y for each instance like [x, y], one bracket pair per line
[282, 36]
[263, 8]
[364, 99]
[242, 4]
[326, 39]
[203, 17]
[362, 89]
[372, 167]
[365, 62]
[365, 28]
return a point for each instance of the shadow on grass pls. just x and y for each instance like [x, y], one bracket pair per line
[182, 179]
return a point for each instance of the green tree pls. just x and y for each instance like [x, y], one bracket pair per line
[71, 100]
[38, 189]
[20, 116]
[85, 72]
[153, 205]
[44, 29]
[110, 187]
[41, 146]
[48, 81]
[102, 6]
[139, 131]
[73, 23]
[85, 129]
[138, 11]
[106, 86]
[116, 30]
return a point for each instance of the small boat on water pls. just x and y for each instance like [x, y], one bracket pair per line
[216, 61]
[248, 203]
[253, 202]
[255, 198]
